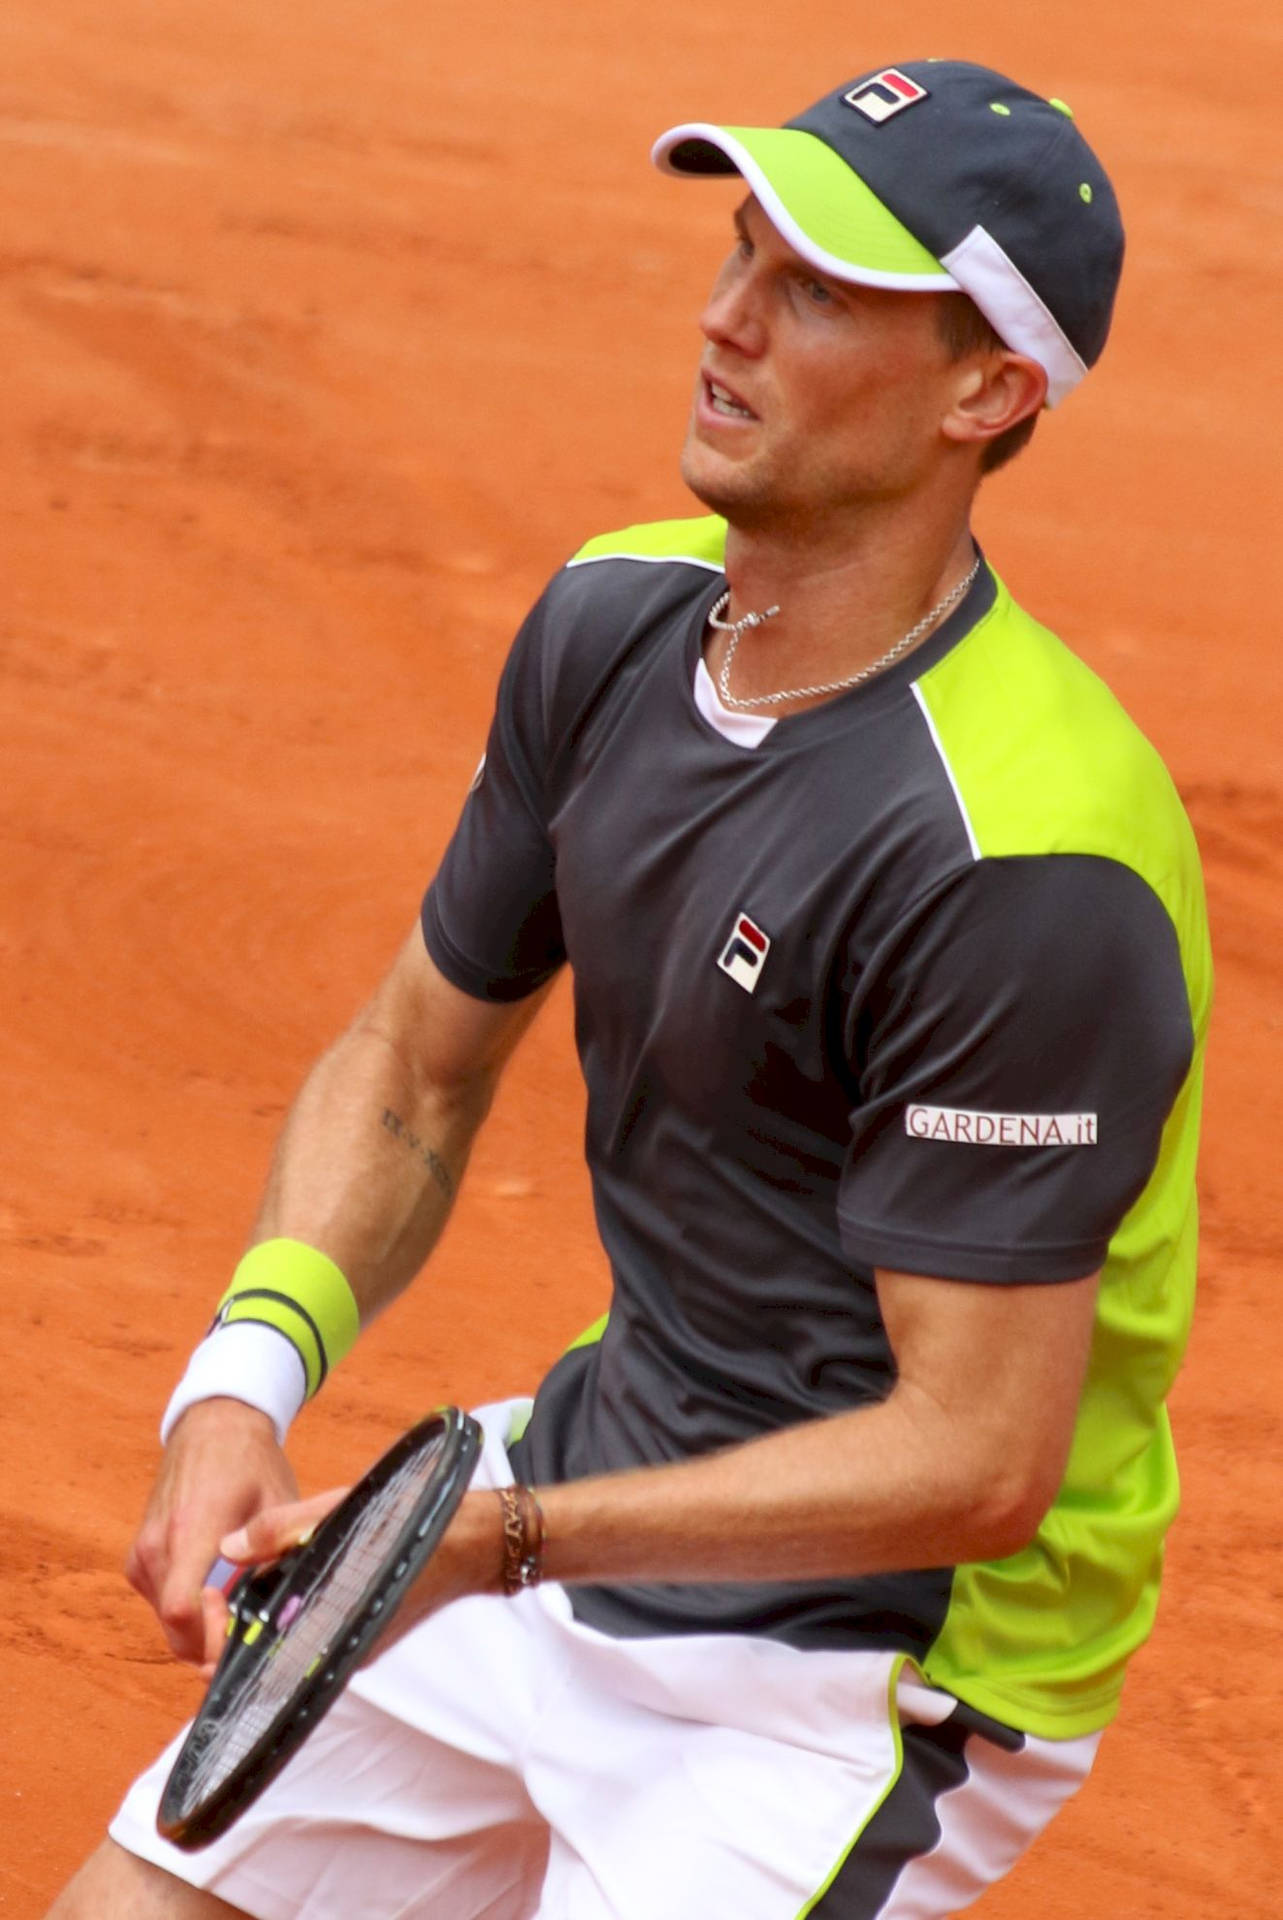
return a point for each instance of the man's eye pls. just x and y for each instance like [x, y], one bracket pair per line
[818, 292]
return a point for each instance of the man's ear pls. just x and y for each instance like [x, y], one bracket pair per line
[994, 392]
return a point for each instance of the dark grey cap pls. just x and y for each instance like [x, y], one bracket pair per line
[935, 175]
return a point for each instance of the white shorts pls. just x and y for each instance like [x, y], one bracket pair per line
[503, 1762]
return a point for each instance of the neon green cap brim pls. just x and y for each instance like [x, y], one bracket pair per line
[811, 197]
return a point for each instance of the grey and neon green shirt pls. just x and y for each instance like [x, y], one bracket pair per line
[920, 981]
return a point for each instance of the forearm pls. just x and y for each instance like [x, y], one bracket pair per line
[360, 1187]
[960, 1462]
[369, 1162]
[886, 1489]
[882, 1489]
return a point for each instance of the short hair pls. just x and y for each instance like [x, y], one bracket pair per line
[964, 329]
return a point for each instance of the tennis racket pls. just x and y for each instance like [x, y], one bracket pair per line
[301, 1625]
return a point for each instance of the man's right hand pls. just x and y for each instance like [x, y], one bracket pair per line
[222, 1466]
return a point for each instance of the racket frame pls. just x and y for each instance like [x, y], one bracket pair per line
[262, 1595]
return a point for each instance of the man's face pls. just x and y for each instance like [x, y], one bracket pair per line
[815, 397]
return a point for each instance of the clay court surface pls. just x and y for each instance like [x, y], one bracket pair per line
[326, 333]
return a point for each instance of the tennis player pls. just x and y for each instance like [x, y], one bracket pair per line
[891, 981]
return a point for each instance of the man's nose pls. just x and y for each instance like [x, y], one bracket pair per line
[733, 314]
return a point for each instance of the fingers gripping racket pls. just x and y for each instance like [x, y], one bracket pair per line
[299, 1627]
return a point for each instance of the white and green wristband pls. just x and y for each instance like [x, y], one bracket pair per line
[287, 1318]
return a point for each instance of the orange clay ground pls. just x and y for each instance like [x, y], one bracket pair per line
[326, 333]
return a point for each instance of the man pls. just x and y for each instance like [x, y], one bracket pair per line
[892, 980]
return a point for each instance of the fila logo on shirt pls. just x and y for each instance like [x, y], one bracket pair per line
[744, 953]
[887, 94]
[974, 1128]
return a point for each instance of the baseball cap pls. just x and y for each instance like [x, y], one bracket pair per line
[940, 176]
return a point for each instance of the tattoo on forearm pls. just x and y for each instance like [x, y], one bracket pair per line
[435, 1165]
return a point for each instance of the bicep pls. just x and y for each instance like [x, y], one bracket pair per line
[1001, 1367]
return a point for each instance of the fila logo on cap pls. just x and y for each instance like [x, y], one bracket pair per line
[744, 952]
[888, 93]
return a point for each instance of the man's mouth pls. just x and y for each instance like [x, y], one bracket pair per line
[723, 401]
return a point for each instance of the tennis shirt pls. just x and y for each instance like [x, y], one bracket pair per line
[920, 981]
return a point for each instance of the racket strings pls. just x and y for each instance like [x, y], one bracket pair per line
[310, 1625]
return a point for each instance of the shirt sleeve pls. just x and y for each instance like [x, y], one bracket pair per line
[1019, 1042]
[490, 916]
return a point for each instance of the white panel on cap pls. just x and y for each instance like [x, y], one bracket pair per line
[1006, 299]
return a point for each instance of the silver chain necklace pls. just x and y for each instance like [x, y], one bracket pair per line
[736, 628]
